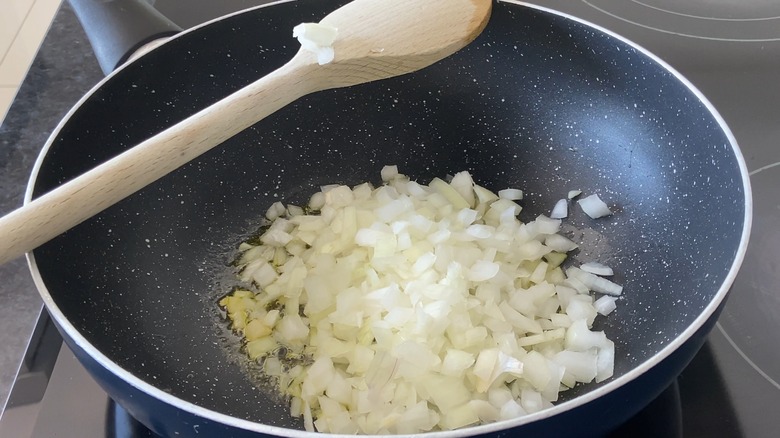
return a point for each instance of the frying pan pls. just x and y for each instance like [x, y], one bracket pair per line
[541, 101]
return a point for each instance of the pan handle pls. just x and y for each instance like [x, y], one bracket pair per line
[117, 28]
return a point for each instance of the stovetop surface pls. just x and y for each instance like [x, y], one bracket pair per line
[729, 49]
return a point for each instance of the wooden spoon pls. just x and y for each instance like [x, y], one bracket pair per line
[376, 39]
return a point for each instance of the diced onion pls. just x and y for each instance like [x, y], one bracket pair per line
[594, 207]
[560, 210]
[410, 308]
[597, 268]
[559, 243]
[388, 173]
[318, 39]
[484, 195]
[464, 185]
[276, 210]
[594, 282]
[546, 225]
[510, 194]
[605, 305]
[317, 201]
[573, 194]
[605, 362]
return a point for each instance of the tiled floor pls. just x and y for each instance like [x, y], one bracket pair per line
[23, 23]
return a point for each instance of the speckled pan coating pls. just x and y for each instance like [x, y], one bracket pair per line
[539, 102]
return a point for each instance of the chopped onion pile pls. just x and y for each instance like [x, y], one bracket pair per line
[409, 308]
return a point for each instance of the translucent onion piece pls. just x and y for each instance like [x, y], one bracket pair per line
[594, 207]
[605, 305]
[560, 210]
[597, 268]
[510, 194]
[559, 243]
[318, 39]
[595, 283]
[388, 172]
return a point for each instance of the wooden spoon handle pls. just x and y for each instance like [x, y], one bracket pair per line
[90, 193]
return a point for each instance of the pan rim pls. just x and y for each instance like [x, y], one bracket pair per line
[209, 414]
